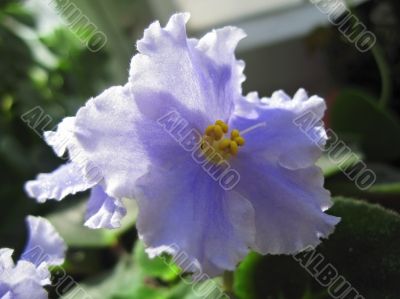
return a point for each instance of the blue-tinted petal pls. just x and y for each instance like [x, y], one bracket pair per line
[184, 211]
[6, 260]
[63, 138]
[219, 46]
[107, 130]
[67, 179]
[203, 76]
[25, 270]
[43, 273]
[104, 211]
[4, 292]
[23, 281]
[282, 139]
[288, 205]
[29, 289]
[44, 245]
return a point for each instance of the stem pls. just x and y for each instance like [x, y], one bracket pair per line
[228, 283]
[384, 71]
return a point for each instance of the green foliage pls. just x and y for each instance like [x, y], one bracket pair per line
[69, 223]
[358, 116]
[54, 72]
[330, 168]
[137, 276]
[125, 281]
[388, 180]
[364, 249]
[161, 267]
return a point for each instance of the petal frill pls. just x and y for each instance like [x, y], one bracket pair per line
[28, 289]
[44, 245]
[203, 76]
[108, 130]
[6, 260]
[103, 211]
[289, 205]
[22, 281]
[65, 180]
[62, 138]
[288, 131]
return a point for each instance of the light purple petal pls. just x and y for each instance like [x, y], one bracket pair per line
[282, 139]
[23, 281]
[65, 180]
[288, 205]
[4, 289]
[202, 76]
[184, 211]
[43, 273]
[104, 211]
[6, 260]
[63, 138]
[219, 45]
[27, 271]
[29, 289]
[107, 130]
[18, 281]
[44, 245]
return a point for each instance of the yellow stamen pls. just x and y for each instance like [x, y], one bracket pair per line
[234, 148]
[215, 142]
[209, 130]
[224, 144]
[218, 132]
[235, 133]
[223, 125]
[239, 140]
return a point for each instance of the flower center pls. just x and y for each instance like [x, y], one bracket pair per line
[216, 146]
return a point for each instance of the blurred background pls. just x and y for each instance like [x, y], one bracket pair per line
[49, 60]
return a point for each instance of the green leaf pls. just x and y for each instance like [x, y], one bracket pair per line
[180, 285]
[130, 280]
[386, 188]
[388, 179]
[124, 282]
[364, 249]
[331, 168]
[159, 267]
[69, 223]
[213, 290]
[358, 116]
[259, 277]
[210, 289]
[245, 275]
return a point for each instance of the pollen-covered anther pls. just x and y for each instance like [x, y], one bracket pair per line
[223, 125]
[214, 137]
[234, 148]
[239, 140]
[234, 134]
[224, 144]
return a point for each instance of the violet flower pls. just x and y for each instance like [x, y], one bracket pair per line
[184, 101]
[30, 274]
